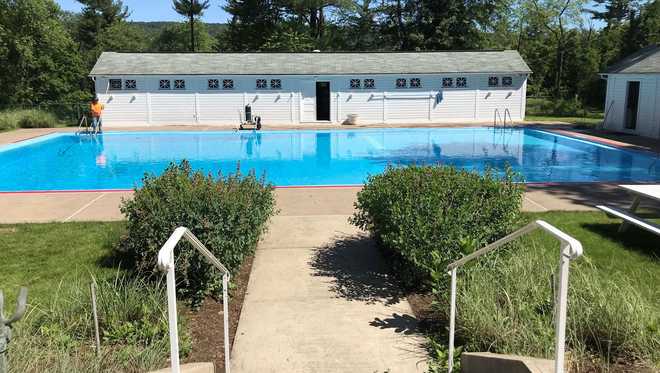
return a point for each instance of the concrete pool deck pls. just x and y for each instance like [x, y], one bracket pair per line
[100, 206]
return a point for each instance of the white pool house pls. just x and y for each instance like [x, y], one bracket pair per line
[291, 88]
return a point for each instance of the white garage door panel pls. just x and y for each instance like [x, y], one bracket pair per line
[454, 105]
[174, 108]
[499, 100]
[368, 107]
[125, 108]
[220, 107]
[272, 107]
[408, 109]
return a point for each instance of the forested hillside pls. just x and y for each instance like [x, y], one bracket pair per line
[46, 53]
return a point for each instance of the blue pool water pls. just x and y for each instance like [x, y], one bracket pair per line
[344, 157]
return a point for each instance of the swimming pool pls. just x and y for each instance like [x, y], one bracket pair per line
[118, 160]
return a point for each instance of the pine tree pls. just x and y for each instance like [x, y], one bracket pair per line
[96, 16]
[191, 9]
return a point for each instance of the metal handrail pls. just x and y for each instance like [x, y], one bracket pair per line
[496, 115]
[506, 111]
[607, 113]
[166, 264]
[570, 249]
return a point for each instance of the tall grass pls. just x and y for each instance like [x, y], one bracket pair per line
[58, 336]
[27, 118]
[506, 305]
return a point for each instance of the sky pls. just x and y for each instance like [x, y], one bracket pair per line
[161, 10]
[157, 10]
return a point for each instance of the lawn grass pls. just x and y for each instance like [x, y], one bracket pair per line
[635, 253]
[42, 256]
[585, 122]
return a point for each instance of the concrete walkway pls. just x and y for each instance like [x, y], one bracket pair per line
[320, 300]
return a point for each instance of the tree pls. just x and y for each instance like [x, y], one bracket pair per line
[122, 37]
[175, 38]
[288, 41]
[96, 16]
[555, 16]
[252, 23]
[192, 9]
[40, 61]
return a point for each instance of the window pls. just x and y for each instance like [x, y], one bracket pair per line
[461, 82]
[276, 84]
[179, 84]
[401, 83]
[115, 84]
[507, 81]
[164, 84]
[213, 84]
[228, 84]
[369, 84]
[356, 84]
[262, 84]
[130, 84]
[493, 81]
[447, 82]
[415, 83]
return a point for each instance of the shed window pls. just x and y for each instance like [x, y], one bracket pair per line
[493, 81]
[369, 83]
[164, 84]
[276, 83]
[401, 83]
[179, 84]
[507, 81]
[447, 82]
[356, 84]
[227, 83]
[415, 83]
[262, 84]
[115, 84]
[213, 84]
[130, 84]
[461, 82]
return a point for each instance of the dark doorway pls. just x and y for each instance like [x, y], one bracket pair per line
[632, 105]
[322, 100]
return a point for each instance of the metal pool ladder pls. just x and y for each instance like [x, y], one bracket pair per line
[570, 249]
[166, 264]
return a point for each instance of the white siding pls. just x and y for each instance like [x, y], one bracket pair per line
[648, 114]
[295, 102]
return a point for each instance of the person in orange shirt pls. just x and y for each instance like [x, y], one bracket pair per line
[96, 109]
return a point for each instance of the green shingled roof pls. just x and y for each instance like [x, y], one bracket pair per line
[644, 61]
[507, 61]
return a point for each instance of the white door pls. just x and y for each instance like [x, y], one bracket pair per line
[173, 108]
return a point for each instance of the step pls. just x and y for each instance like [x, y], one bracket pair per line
[487, 362]
[191, 368]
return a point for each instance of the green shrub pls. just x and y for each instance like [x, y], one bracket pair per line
[12, 119]
[59, 336]
[228, 214]
[428, 216]
[509, 308]
[558, 107]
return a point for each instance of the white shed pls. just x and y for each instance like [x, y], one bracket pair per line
[286, 88]
[632, 102]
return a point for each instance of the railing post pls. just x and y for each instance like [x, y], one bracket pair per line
[561, 301]
[172, 318]
[225, 311]
[452, 321]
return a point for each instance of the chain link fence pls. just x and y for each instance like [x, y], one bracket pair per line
[68, 113]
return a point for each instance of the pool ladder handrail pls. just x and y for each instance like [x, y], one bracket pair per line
[502, 118]
[570, 249]
[166, 264]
